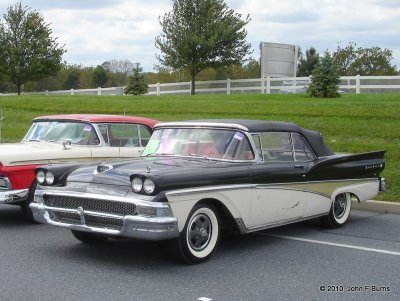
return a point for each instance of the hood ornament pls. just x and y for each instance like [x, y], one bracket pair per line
[102, 168]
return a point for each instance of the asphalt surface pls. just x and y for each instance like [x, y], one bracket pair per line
[297, 262]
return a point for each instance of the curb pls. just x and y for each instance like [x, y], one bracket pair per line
[377, 206]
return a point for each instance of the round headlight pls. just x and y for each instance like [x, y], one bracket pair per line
[49, 178]
[137, 184]
[40, 176]
[148, 186]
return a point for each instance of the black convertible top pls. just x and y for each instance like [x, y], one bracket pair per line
[314, 138]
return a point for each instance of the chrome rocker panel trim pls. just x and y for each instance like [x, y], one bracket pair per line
[13, 196]
[141, 227]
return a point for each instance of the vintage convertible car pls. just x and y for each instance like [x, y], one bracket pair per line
[198, 177]
[63, 139]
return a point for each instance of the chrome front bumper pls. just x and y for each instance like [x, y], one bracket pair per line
[133, 226]
[13, 196]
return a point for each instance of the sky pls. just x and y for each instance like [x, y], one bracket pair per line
[95, 31]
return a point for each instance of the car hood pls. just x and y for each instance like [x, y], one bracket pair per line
[167, 172]
[25, 153]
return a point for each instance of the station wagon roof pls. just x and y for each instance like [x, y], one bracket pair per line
[313, 137]
[98, 118]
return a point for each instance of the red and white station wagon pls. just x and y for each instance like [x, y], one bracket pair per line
[66, 139]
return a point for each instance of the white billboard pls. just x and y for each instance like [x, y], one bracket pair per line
[278, 60]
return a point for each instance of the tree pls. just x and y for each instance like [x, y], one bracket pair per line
[198, 34]
[27, 50]
[306, 65]
[136, 83]
[117, 72]
[364, 61]
[325, 79]
[100, 76]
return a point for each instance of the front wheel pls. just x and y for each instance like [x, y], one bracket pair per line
[26, 210]
[339, 212]
[88, 238]
[199, 238]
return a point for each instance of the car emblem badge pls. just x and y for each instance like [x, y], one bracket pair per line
[81, 213]
[102, 168]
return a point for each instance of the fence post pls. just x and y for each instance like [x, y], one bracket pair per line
[98, 90]
[262, 85]
[72, 92]
[228, 86]
[358, 84]
[158, 89]
[268, 85]
[47, 92]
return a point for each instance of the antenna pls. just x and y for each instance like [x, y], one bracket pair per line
[1, 121]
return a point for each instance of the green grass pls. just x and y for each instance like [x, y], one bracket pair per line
[352, 123]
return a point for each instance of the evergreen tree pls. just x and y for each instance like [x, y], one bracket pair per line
[325, 79]
[307, 64]
[136, 82]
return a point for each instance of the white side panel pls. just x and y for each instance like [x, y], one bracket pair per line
[317, 204]
[270, 205]
[237, 201]
[364, 191]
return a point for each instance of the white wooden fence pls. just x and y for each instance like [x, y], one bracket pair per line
[349, 84]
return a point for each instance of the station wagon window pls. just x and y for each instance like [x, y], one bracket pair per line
[121, 134]
[275, 146]
[302, 151]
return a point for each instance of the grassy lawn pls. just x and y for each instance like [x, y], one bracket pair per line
[352, 123]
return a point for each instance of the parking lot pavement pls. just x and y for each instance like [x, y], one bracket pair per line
[360, 261]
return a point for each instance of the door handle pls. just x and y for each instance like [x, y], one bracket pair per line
[299, 166]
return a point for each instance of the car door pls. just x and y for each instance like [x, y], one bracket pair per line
[277, 194]
[122, 140]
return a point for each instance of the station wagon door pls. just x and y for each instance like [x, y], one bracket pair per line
[276, 196]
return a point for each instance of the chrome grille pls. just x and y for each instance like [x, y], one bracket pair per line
[93, 221]
[96, 205]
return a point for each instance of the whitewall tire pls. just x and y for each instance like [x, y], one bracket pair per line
[339, 212]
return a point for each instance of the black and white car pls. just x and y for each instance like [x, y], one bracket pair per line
[196, 178]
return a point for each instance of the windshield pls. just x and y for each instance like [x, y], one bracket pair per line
[58, 131]
[210, 143]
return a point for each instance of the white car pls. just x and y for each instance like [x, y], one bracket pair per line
[66, 139]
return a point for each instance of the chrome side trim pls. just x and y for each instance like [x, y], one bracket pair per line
[13, 196]
[244, 230]
[201, 125]
[264, 186]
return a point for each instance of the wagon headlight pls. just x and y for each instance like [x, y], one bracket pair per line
[137, 184]
[49, 178]
[148, 186]
[40, 177]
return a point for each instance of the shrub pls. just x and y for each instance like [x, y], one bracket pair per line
[325, 79]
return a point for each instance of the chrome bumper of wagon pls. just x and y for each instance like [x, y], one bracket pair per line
[130, 226]
[13, 196]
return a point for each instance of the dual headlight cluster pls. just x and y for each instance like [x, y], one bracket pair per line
[140, 185]
[45, 177]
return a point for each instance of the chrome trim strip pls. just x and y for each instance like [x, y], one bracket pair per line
[102, 197]
[88, 212]
[244, 230]
[201, 125]
[262, 186]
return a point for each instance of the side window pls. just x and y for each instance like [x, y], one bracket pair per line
[302, 151]
[123, 135]
[276, 147]
[145, 134]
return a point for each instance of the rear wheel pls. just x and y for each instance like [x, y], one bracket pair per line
[88, 238]
[339, 212]
[199, 238]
